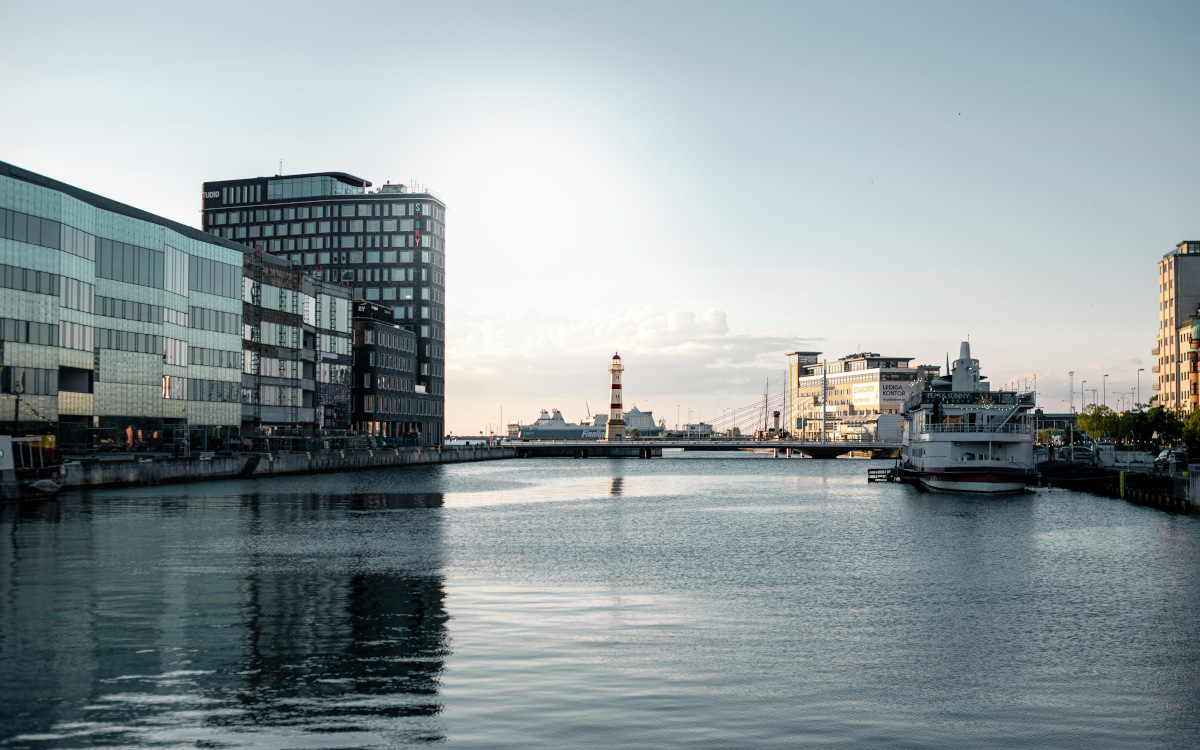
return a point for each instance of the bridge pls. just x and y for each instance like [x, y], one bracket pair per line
[653, 447]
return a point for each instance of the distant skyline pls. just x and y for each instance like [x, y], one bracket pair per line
[701, 186]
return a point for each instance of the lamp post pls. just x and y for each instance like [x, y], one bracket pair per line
[1139, 398]
[1082, 396]
[1104, 384]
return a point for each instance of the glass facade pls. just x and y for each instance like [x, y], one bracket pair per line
[386, 246]
[94, 320]
[309, 187]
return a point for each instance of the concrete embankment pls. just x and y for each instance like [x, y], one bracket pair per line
[92, 473]
[1177, 492]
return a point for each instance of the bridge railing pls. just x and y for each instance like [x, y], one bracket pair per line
[764, 442]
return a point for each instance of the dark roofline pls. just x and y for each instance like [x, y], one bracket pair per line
[116, 207]
[348, 178]
[870, 355]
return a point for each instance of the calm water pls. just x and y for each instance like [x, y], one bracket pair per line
[695, 602]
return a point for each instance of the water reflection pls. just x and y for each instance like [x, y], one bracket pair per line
[215, 622]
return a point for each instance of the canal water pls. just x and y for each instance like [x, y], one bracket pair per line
[708, 601]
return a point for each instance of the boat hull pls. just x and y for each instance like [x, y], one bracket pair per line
[982, 483]
[990, 482]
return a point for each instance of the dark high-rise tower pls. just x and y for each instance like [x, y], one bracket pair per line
[387, 244]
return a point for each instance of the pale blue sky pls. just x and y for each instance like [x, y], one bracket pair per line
[703, 185]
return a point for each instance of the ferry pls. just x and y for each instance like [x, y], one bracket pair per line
[960, 435]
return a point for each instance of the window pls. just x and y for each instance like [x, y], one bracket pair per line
[324, 227]
[373, 256]
[364, 209]
[356, 225]
[406, 292]
[389, 293]
[406, 256]
[347, 210]
[389, 225]
[347, 240]
[389, 256]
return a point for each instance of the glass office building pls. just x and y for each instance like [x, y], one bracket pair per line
[386, 245]
[119, 329]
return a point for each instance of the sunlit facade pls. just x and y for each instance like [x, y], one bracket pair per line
[119, 328]
[1178, 299]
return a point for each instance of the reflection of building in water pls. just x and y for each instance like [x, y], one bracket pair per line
[318, 640]
[279, 614]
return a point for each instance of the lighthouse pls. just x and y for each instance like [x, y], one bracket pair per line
[615, 429]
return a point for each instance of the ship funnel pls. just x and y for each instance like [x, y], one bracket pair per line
[964, 350]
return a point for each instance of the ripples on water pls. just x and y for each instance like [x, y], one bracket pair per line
[683, 602]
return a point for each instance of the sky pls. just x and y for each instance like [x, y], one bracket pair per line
[700, 186]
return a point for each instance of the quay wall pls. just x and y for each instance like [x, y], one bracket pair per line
[90, 474]
[1178, 493]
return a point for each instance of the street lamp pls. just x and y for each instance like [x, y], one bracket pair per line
[1082, 396]
[1139, 399]
[1105, 389]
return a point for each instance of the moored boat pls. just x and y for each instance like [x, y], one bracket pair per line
[960, 435]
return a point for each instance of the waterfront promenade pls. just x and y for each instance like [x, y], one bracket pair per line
[96, 472]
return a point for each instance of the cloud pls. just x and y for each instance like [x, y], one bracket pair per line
[527, 360]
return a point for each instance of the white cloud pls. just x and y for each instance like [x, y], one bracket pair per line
[527, 360]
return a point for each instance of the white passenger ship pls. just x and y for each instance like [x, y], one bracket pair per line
[960, 435]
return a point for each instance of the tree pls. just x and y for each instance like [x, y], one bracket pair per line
[1097, 421]
[1191, 431]
[634, 432]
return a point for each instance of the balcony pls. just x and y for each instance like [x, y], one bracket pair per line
[1154, 368]
[1154, 351]
[1012, 428]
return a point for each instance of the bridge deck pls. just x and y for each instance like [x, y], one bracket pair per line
[845, 445]
[654, 448]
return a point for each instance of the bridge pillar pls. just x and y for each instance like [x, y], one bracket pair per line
[774, 453]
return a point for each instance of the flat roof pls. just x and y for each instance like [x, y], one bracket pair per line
[342, 176]
[108, 204]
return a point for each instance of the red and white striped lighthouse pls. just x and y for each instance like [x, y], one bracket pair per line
[615, 428]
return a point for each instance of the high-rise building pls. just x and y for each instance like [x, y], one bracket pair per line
[1178, 299]
[388, 245]
[119, 329]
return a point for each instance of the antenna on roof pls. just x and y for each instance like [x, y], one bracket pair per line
[280, 174]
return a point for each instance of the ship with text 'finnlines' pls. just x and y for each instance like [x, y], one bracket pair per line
[960, 435]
